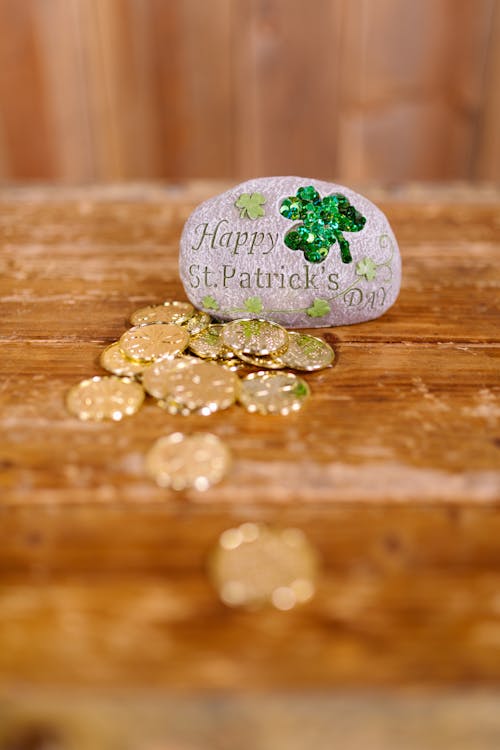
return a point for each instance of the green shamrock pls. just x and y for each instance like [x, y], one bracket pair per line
[318, 309]
[209, 303]
[323, 221]
[250, 205]
[366, 268]
[253, 304]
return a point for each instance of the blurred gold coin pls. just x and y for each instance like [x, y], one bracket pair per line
[187, 385]
[154, 341]
[180, 461]
[162, 375]
[108, 397]
[197, 322]
[254, 337]
[113, 360]
[266, 363]
[168, 312]
[235, 364]
[273, 392]
[208, 343]
[306, 352]
[253, 565]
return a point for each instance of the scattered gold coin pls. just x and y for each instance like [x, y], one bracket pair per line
[188, 385]
[108, 397]
[198, 322]
[253, 565]
[168, 312]
[306, 352]
[208, 343]
[113, 360]
[180, 461]
[254, 337]
[273, 392]
[154, 341]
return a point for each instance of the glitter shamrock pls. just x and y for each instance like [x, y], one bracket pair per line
[250, 205]
[323, 222]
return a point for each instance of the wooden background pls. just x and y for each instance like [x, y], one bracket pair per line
[361, 90]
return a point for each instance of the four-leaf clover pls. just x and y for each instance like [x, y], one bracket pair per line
[250, 205]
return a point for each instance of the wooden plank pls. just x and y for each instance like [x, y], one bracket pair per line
[408, 424]
[94, 90]
[192, 80]
[24, 122]
[440, 720]
[405, 595]
[288, 67]
[412, 88]
[487, 162]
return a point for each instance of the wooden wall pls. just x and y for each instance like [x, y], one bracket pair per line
[361, 90]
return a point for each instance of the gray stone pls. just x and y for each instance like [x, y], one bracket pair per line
[234, 261]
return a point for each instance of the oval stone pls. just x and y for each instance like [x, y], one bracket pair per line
[304, 253]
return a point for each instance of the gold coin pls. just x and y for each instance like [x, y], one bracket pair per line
[154, 341]
[208, 343]
[168, 312]
[253, 565]
[273, 392]
[306, 352]
[235, 364]
[267, 363]
[161, 375]
[197, 322]
[187, 385]
[107, 397]
[113, 360]
[254, 337]
[180, 461]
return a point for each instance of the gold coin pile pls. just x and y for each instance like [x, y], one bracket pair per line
[150, 358]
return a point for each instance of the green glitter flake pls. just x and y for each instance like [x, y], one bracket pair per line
[323, 222]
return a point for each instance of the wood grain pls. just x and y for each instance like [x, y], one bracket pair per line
[452, 720]
[118, 89]
[392, 470]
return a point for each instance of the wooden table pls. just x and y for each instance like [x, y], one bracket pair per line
[392, 470]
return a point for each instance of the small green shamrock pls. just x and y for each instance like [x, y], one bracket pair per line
[209, 303]
[319, 308]
[250, 205]
[253, 304]
[366, 268]
[323, 222]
